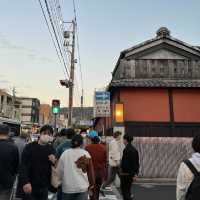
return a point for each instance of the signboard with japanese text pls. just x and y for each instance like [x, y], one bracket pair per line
[101, 104]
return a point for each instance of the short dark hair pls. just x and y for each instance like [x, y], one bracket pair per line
[70, 133]
[63, 132]
[77, 141]
[128, 138]
[83, 131]
[95, 140]
[46, 128]
[4, 129]
[116, 134]
[196, 143]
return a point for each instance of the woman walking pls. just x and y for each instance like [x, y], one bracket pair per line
[76, 171]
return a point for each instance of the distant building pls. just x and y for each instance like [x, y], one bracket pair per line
[10, 107]
[30, 110]
[158, 83]
[45, 114]
[79, 115]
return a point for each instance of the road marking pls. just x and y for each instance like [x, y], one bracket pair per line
[149, 186]
[109, 194]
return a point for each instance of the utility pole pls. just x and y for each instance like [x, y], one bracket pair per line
[71, 87]
[82, 106]
[13, 102]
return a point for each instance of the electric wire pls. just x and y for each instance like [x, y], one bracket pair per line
[51, 35]
[52, 24]
[55, 17]
[78, 46]
[60, 30]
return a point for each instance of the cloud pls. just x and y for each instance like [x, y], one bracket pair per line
[29, 53]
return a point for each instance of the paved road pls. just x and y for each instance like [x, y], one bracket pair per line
[110, 194]
[147, 191]
[154, 192]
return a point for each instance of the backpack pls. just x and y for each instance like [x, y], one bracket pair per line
[193, 192]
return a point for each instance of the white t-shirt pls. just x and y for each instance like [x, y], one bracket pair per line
[74, 180]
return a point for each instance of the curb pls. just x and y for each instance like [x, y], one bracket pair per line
[156, 180]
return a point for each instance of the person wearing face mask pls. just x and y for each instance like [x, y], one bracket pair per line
[35, 170]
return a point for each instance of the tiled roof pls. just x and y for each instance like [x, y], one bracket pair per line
[155, 83]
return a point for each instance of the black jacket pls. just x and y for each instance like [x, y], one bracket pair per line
[9, 161]
[130, 161]
[36, 167]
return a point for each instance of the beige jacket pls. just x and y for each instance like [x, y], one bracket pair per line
[114, 153]
[185, 177]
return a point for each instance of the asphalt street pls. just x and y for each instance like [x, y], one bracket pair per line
[143, 191]
[152, 191]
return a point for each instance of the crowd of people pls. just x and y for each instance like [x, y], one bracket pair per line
[76, 166]
[72, 165]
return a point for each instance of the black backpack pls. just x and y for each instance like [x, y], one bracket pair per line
[193, 192]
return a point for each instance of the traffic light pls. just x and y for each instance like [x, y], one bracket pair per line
[55, 106]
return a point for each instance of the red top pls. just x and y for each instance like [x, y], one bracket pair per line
[99, 156]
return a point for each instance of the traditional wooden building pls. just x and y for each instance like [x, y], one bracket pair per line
[158, 84]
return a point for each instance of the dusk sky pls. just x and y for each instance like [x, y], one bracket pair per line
[28, 59]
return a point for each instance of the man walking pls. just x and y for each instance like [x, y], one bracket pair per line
[9, 160]
[129, 167]
[35, 171]
[114, 159]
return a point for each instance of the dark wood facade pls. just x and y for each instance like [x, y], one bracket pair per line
[158, 81]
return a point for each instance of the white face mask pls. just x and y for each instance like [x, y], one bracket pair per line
[45, 139]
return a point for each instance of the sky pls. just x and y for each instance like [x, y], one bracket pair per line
[28, 59]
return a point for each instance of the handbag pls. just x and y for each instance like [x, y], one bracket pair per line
[55, 179]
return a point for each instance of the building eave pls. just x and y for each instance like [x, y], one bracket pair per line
[154, 83]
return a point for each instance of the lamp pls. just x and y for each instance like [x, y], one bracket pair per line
[119, 113]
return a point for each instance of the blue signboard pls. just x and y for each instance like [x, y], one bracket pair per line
[102, 104]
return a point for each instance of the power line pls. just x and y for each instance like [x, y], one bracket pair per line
[48, 11]
[78, 89]
[57, 16]
[79, 60]
[54, 44]
[78, 46]
[61, 28]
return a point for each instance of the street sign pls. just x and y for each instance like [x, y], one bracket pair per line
[101, 104]
[86, 122]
